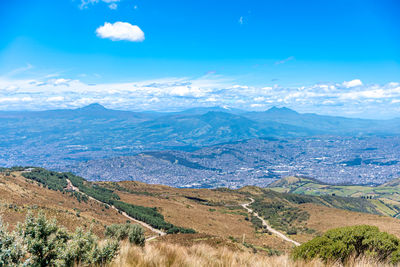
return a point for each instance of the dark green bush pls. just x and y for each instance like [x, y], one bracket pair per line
[50, 179]
[133, 232]
[341, 243]
[175, 230]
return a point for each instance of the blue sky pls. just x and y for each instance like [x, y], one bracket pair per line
[180, 54]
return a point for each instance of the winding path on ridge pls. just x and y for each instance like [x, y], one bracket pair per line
[162, 233]
[154, 230]
[269, 228]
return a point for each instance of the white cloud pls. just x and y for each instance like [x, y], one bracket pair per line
[120, 31]
[259, 99]
[352, 83]
[112, 4]
[210, 90]
[211, 99]
[56, 99]
[241, 20]
[60, 81]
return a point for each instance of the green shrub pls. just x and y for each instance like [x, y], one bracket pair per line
[341, 243]
[41, 242]
[44, 240]
[12, 249]
[176, 229]
[84, 248]
[133, 232]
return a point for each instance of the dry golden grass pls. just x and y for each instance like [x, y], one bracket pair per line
[323, 218]
[165, 254]
[173, 255]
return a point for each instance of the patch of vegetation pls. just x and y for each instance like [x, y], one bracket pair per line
[256, 222]
[79, 196]
[269, 251]
[341, 243]
[233, 210]
[205, 201]
[280, 215]
[346, 203]
[50, 179]
[93, 190]
[145, 214]
[40, 242]
[196, 199]
[132, 232]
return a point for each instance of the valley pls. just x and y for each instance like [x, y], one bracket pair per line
[202, 147]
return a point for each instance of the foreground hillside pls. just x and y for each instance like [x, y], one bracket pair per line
[384, 198]
[202, 216]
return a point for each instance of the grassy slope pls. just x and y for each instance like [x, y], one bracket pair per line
[214, 214]
[19, 195]
[385, 198]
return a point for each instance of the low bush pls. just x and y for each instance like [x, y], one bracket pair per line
[133, 232]
[41, 242]
[11, 247]
[353, 241]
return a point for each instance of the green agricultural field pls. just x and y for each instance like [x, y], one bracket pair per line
[385, 198]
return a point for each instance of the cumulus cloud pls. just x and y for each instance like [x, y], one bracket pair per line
[120, 31]
[171, 94]
[352, 83]
[241, 20]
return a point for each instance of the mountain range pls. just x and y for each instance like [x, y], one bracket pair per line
[65, 137]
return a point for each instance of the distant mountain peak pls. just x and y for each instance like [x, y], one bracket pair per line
[94, 107]
[282, 110]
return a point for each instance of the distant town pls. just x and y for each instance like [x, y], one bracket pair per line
[335, 160]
